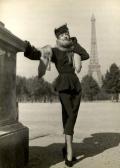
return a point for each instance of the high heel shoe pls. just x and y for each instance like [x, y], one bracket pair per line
[68, 162]
[64, 152]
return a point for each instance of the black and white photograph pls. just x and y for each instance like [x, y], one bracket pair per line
[59, 84]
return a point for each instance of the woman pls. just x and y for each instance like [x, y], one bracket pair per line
[67, 84]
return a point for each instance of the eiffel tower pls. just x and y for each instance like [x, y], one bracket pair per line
[94, 66]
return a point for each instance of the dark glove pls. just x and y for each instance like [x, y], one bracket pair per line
[74, 40]
[31, 52]
[77, 47]
[28, 49]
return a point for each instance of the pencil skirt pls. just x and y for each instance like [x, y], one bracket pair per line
[70, 102]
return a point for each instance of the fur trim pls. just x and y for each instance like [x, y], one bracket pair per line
[64, 45]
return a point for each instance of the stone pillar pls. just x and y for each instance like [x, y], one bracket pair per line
[13, 135]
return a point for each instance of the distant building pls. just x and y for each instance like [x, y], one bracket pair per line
[94, 66]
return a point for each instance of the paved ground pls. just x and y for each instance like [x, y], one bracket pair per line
[96, 139]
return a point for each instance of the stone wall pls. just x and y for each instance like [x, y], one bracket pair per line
[14, 137]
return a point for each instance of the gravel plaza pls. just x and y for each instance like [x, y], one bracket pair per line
[96, 138]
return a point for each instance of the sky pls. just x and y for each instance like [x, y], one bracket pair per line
[35, 20]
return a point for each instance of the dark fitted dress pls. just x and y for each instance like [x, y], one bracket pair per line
[67, 84]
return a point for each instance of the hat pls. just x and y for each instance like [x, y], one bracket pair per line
[60, 30]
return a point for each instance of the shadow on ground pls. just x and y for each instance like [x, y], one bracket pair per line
[44, 157]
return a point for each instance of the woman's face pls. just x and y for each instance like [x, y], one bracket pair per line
[64, 36]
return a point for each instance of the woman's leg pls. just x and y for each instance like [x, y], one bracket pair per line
[70, 106]
[69, 147]
[65, 99]
[76, 98]
[64, 120]
[66, 140]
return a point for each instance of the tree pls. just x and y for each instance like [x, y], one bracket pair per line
[90, 88]
[21, 88]
[111, 82]
[34, 89]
